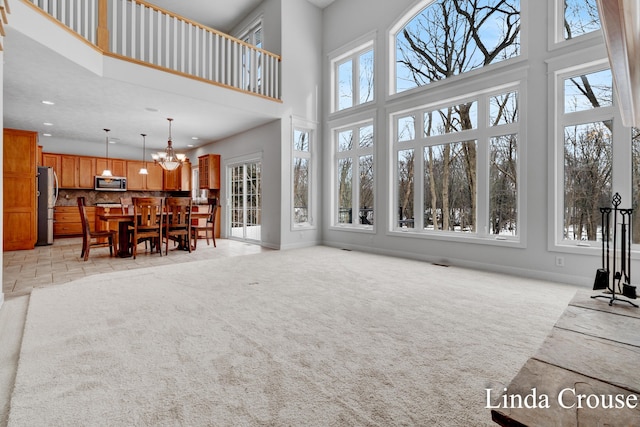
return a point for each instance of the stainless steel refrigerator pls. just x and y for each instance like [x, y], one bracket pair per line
[47, 197]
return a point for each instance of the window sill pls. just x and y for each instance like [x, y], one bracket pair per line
[510, 242]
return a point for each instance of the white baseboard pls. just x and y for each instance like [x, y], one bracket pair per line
[581, 281]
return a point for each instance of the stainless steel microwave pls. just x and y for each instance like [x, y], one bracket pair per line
[110, 183]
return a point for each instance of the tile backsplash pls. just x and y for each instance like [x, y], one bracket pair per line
[92, 197]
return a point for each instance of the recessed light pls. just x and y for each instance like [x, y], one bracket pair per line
[46, 134]
[190, 145]
[195, 138]
[48, 102]
[153, 110]
[48, 124]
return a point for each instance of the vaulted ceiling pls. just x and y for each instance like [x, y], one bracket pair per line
[86, 103]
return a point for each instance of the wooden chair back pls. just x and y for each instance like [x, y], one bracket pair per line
[213, 209]
[126, 203]
[86, 229]
[178, 222]
[179, 212]
[210, 226]
[95, 239]
[148, 214]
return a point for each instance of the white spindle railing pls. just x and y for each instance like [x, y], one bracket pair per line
[146, 33]
[79, 15]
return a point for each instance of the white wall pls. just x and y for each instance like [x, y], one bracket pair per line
[291, 28]
[261, 143]
[347, 20]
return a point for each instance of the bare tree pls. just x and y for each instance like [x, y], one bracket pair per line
[446, 39]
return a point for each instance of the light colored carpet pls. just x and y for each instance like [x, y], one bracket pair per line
[313, 337]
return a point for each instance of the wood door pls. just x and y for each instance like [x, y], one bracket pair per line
[135, 181]
[172, 180]
[51, 160]
[19, 189]
[209, 169]
[185, 176]
[68, 176]
[119, 167]
[154, 179]
[86, 172]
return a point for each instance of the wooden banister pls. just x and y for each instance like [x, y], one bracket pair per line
[102, 33]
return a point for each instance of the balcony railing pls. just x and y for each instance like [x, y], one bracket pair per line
[139, 31]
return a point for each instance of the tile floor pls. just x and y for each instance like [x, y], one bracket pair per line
[61, 262]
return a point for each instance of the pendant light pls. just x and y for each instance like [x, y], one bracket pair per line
[143, 170]
[168, 159]
[107, 171]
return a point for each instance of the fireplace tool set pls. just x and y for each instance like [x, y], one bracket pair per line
[621, 283]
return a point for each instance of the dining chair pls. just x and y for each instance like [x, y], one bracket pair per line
[178, 222]
[125, 204]
[210, 225]
[93, 239]
[148, 214]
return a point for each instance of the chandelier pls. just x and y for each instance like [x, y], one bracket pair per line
[168, 159]
[143, 169]
[107, 171]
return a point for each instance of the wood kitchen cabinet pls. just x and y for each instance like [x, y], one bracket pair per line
[151, 181]
[179, 179]
[19, 189]
[118, 167]
[155, 177]
[67, 222]
[86, 172]
[52, 161]
[76, 171]
[135, 181]
[209, 170]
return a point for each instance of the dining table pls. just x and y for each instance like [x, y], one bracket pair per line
[124, 220]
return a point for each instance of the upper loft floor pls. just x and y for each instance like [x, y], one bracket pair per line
[213, 85]
[140, 32]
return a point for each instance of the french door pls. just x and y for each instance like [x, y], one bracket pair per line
[246, 201]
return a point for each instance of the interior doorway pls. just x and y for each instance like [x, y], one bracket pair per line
[245, 201]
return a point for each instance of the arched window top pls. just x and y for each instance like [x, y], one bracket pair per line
[451, 37]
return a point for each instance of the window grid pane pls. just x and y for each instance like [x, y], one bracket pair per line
[405, 188]
[580, 17]
[449, 187]
[503, 109]
[300, 190]
[588, 91]
[366, 193]
[503, 185]
[367, 87]
[587, 178]
[345, 85]
[345, 191]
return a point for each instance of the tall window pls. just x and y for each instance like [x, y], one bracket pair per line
[451, 139]
[451, 37]
[354, 77]
[251, 59]
[355, 192]
[301, 176]
[587, 123]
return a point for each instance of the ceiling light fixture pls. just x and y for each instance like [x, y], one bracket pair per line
[107, 171]
[168, 159]
[143, 170]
